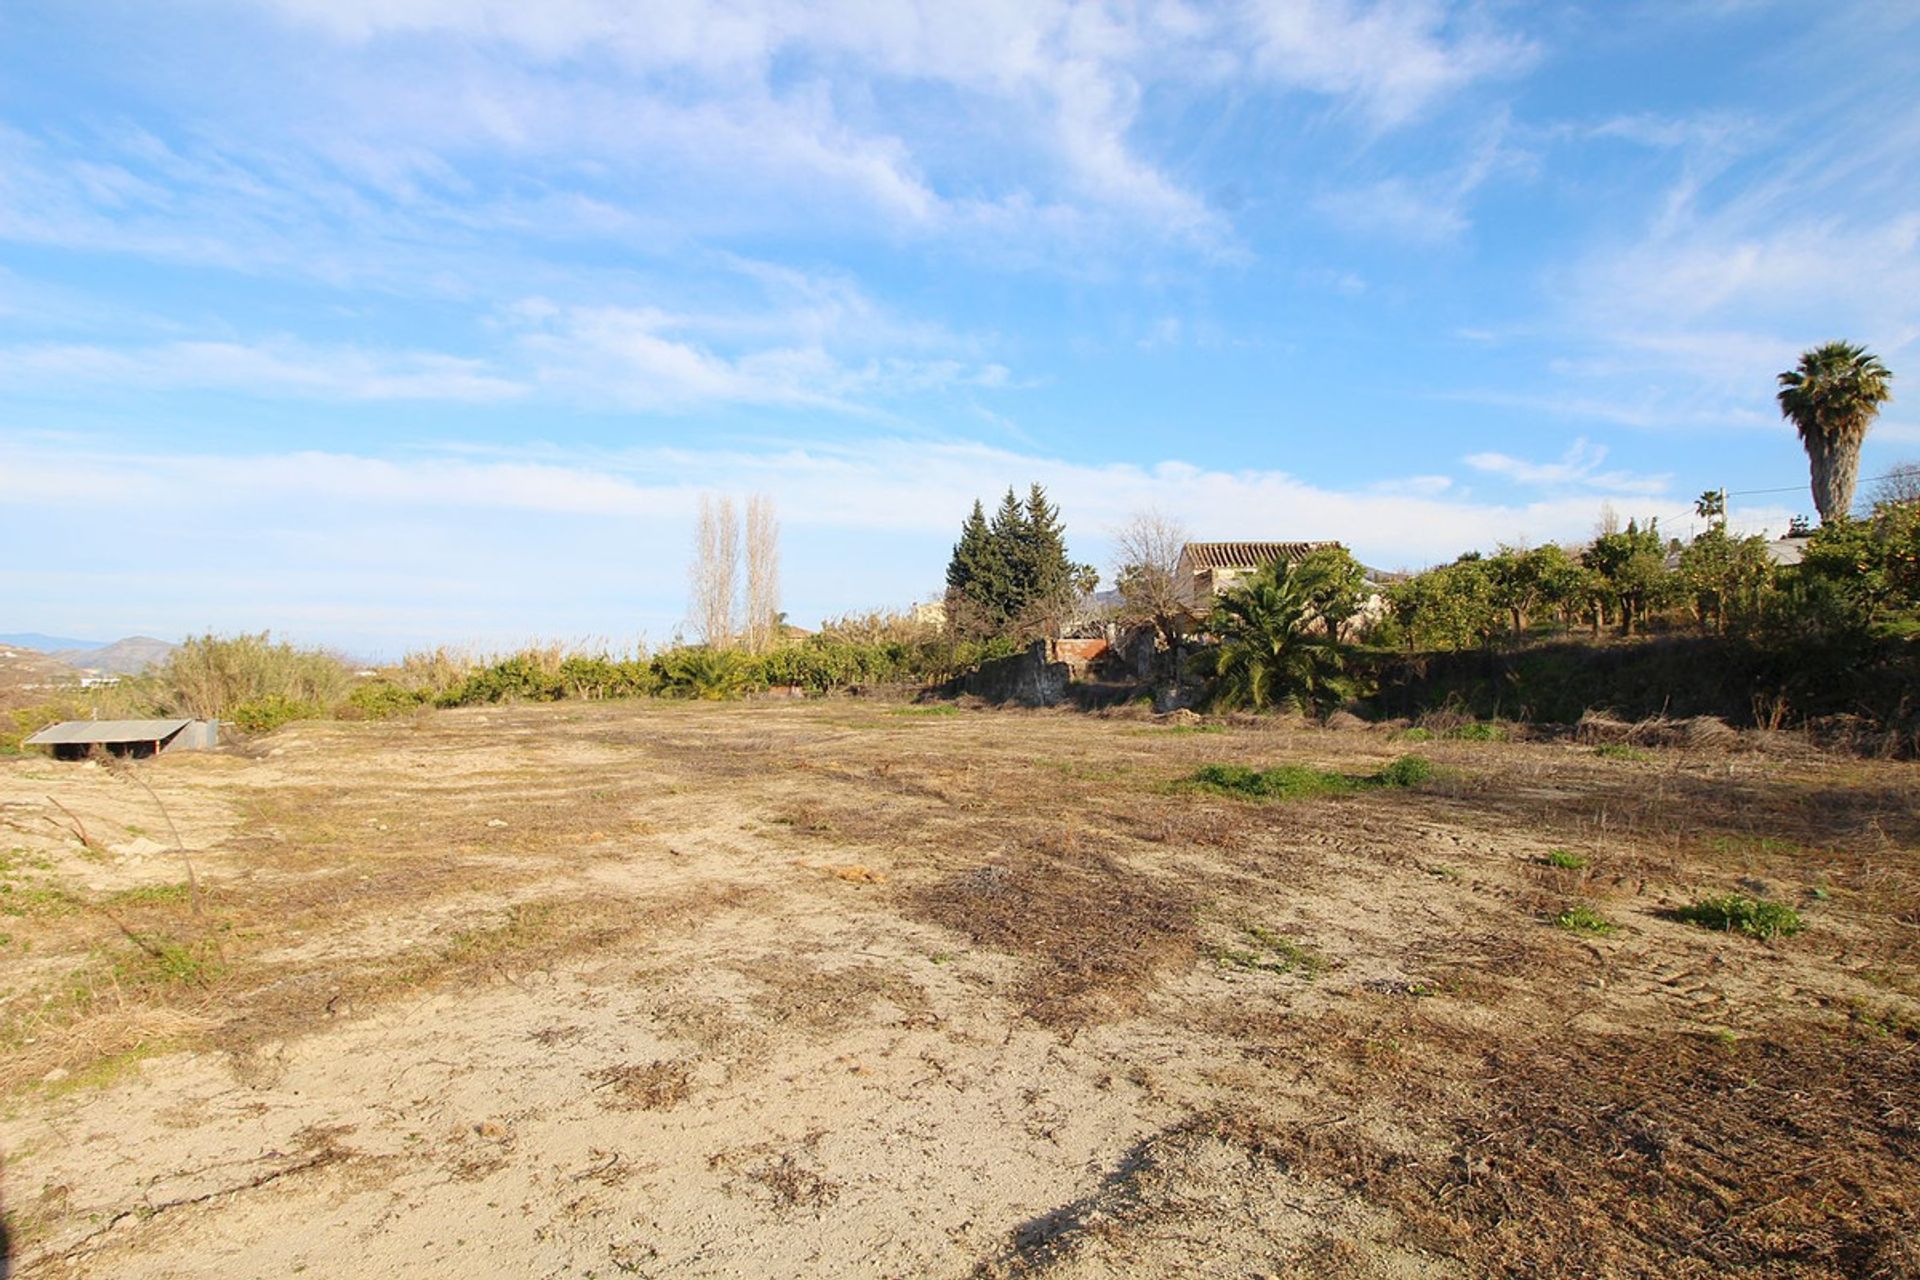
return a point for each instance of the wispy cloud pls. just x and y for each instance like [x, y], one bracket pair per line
[382, 552]
[756, 114]
[1432, 208]
[647, 359]
[907, 487]
[1578, 468]
[1393, 208]
[282, 367]
[1391, 61]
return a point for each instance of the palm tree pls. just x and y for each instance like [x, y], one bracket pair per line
[1831, 397]
[1273, 645]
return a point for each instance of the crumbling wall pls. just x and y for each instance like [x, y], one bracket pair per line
[1032, 679]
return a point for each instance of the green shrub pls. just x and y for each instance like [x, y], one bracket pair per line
[263, 715]
[1584, 919]
[18, 725]
[217, 676]
[1565, 859]
[432, 673]
[1738, 913]
[1415, 734]
[529, 676]
[1407, 771]
[1479, 731]
[380, 700]
[1620, 751]
[582, 676]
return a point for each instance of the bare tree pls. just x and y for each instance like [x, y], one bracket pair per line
[1609, 522]
[1900, 485]
[763, 574]
[716, 553]
[1146, 562]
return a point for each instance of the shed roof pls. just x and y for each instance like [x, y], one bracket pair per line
[1247, 555]
[76, 731]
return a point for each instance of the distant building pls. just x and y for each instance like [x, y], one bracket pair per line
[1208, 568]
[1787, 550]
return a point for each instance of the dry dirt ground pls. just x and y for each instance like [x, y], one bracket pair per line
[855, 989]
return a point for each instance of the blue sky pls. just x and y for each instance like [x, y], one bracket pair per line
[390, 322]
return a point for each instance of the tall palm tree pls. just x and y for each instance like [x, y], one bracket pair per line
[1831, 398]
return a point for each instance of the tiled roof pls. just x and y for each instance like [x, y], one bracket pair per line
[1247, 555]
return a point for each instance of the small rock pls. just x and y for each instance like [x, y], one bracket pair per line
[55, 1076]
[496, 822]
[492, 1130]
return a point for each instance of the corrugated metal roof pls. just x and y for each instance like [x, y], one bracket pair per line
[107, 731]
[1247, 555]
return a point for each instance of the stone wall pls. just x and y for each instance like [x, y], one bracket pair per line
[1032, 679]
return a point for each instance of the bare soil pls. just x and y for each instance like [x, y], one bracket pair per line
[856, 989]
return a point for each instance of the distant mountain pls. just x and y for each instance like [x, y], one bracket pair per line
[128, 657]
[29, 677]
[49, 644]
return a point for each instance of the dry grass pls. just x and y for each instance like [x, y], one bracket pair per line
[1357, 998]
[1656, 1156]
[1094, 934]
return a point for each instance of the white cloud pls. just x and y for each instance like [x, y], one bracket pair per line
[895, 486]
[1578, 468]
[784, 97]
[644, 358]
[1393, 60]
[1709, 132]
[764, 335]
[489, 547]
[279, 368]
[1391, 207]
[1432, 209]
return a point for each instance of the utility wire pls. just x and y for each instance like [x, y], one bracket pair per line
[1795, 488]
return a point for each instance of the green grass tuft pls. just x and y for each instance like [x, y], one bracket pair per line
[1270, 952]
[1565, 859]
[1620, 751]
[1407, 771]
[152, 895]
[1737, 913]
[1584, 919]
[1298, 781]
[1284, 782]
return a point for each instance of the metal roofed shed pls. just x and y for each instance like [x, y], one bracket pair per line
[76, 739]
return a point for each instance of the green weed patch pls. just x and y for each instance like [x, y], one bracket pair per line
[1298, 781]
[1584, 919]
[1738, 913]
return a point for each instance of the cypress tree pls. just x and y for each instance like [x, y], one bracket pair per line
[970, 553]
[1047, 573]
[1003, 567]
[1004, 583]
